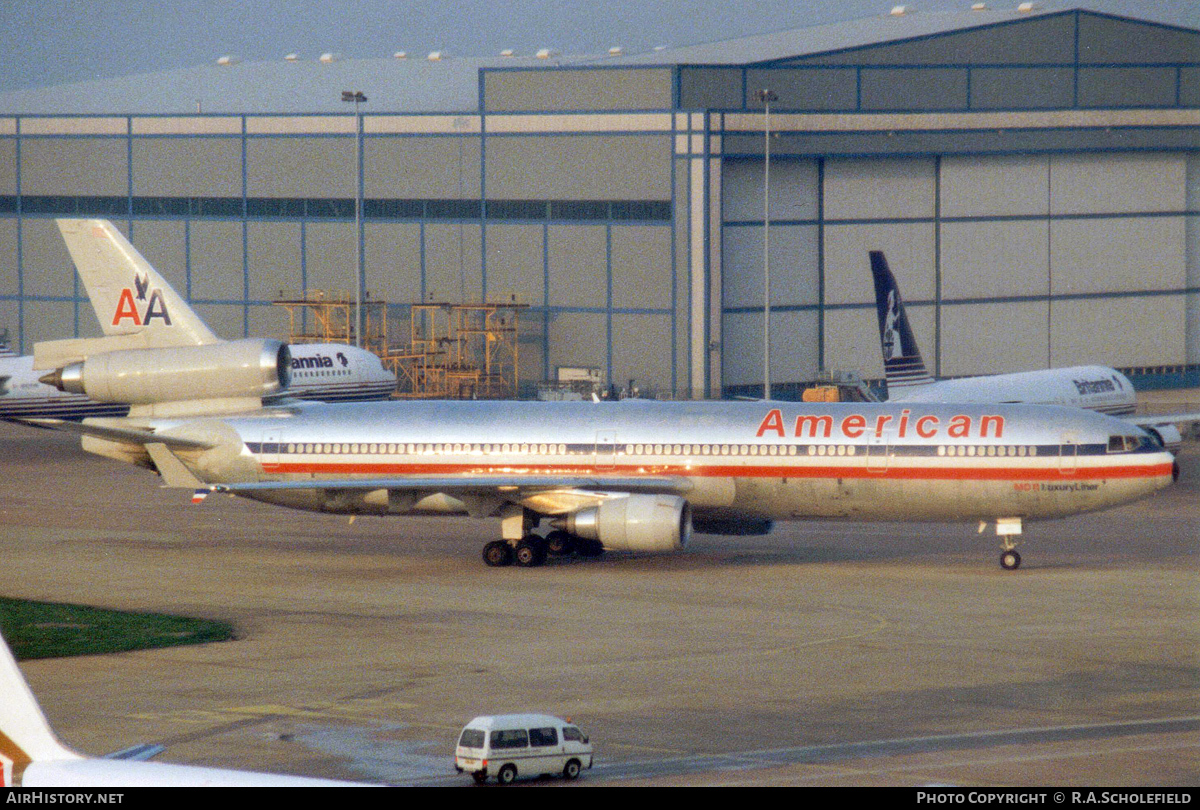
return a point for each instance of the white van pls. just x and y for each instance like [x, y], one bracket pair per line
[510, 745]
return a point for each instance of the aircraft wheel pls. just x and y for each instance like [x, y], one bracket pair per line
[507, 774]
[529, 553]
[1010, 560]
[497, 554]
[559, 543]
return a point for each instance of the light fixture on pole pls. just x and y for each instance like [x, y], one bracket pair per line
[766, 97]
[357, 97]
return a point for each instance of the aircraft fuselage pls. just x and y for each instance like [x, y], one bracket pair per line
[757, 459]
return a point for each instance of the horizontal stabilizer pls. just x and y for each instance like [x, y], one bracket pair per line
[120, 434]
[137, 753]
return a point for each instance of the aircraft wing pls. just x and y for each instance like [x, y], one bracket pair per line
[1164, 418]
[478, 484]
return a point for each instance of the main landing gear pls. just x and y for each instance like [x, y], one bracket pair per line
[529, 550]
[532, 550]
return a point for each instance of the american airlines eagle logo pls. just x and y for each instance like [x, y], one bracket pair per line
[140, 304]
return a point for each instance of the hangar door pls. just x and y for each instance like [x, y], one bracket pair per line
[795, 287]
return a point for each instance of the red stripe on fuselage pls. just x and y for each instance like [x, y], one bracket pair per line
[892, 470]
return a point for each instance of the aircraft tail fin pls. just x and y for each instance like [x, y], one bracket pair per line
[902, 363]
[127, 293]
[25, 734]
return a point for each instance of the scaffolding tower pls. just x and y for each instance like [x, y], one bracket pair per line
[454, 351]
[459, 351]
[327, 316]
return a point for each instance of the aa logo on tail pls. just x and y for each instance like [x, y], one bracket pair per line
[128, 306]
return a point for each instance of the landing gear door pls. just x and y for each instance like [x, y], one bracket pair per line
[606, 449]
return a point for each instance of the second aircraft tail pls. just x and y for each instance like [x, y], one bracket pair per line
[25, 734]
[902, 363]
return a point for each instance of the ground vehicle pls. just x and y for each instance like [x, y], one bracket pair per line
[510, 745]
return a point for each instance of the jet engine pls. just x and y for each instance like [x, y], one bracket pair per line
[237, 368]
[1166, 434]
[635, 523]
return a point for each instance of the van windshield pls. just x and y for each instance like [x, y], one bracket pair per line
[471, 738]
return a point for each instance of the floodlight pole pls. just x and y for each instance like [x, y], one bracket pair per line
[766, 97]
[356, 97]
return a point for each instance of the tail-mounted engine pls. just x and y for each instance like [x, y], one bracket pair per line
[635, 523]
[232, 369]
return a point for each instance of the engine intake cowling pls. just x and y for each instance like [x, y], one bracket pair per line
[635, 523]
[237, 368]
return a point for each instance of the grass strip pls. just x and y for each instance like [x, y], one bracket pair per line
[55, 630]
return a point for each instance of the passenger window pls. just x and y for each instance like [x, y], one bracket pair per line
[512, 738]
[542, 737]
[572, 734]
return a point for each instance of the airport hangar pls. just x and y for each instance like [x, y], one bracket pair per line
[1034, 177]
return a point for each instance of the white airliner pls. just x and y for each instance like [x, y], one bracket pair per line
[640, 476]
[31, 755]
[1096, 388]
[138, 309]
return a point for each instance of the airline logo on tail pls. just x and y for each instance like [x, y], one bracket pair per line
[890, 338]
[128, 307]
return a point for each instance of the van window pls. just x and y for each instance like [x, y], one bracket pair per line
[543, 736]
[572, 734]
[510, 738]
[471, 738]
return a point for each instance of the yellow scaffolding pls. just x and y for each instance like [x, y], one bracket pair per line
[459, 351]
[454, 351]
[327, 316]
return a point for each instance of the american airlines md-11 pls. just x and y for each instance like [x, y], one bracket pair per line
[641, 476]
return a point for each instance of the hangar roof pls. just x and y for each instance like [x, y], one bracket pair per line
[876, 30]
[451, 84]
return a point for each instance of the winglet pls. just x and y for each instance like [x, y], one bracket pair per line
[127, 293]
[25, 734]
[902, 363]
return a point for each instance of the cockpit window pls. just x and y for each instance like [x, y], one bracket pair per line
[1123, 444]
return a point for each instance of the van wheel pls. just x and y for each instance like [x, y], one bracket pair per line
[507, 774]
[479, 776]
[571, 771]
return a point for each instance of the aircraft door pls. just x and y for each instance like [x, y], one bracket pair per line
[1068, 453]
[272, 446]
[606, 449]
[879, 450]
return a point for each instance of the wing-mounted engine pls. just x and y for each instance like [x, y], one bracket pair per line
[182, 379]
[634, 523]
